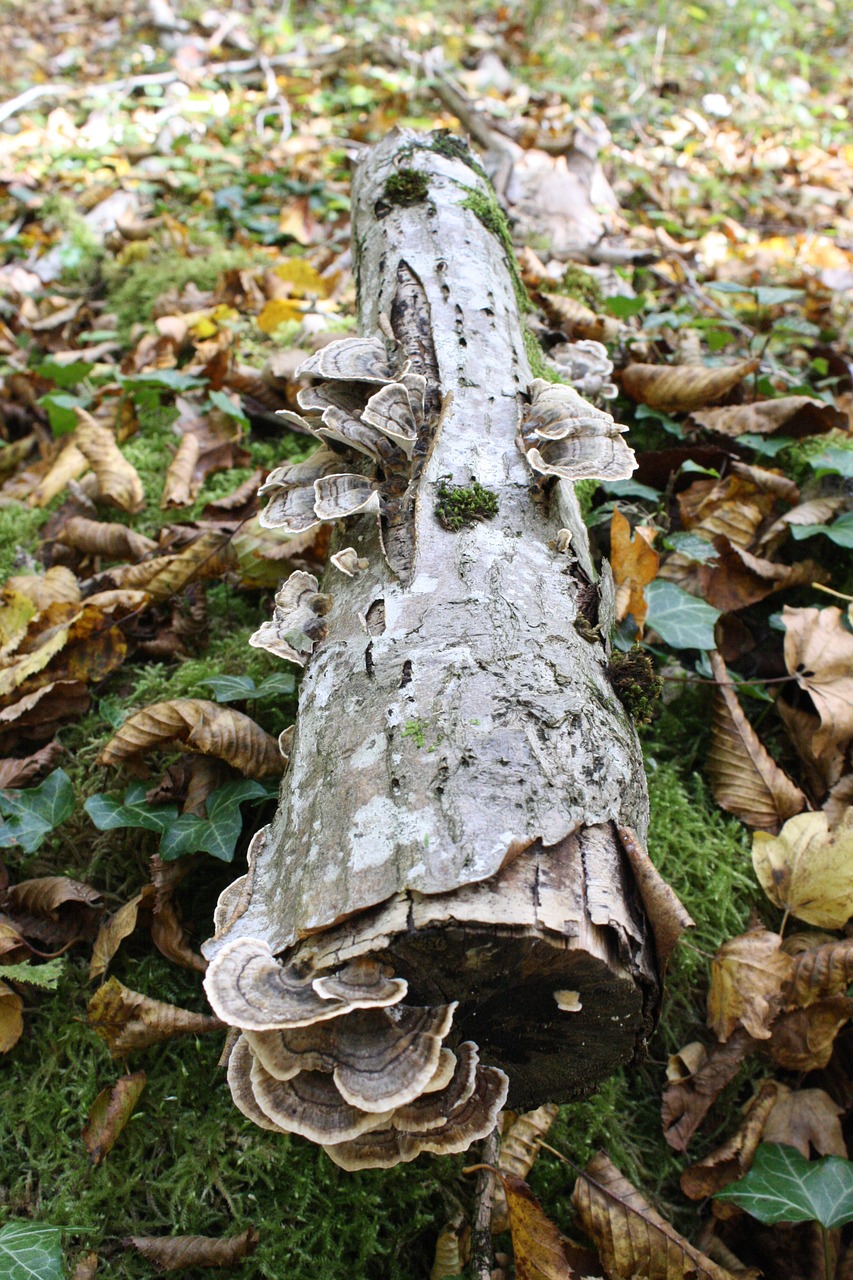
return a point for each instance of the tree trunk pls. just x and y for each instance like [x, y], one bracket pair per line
[465, 801]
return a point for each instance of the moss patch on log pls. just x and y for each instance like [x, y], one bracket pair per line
[636, 682]
[405, 187]
[458, 505]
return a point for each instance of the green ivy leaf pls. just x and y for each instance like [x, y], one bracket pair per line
[692, 546]
[783, 1186]
[167, 379]
[681, 620]
[631, 489]
[30, 1251]
[838, 460]
[622, 307]
[65, 375]
[60, 408]
[239, 688]
[218, 833]
[840, 531]
[108, 813]
[28, 816]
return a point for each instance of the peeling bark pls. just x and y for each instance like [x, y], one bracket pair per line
[461, 766]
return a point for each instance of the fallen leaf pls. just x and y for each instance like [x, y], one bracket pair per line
[11, 1018]
[635, 563]
[822, 768]
[279, 311]
[734, 1158]
[537, 1245]
[784, 1187]
[685, 1064]
[38, 714]
[631, 1237]
[178, 488]
[737, 578]
[744, 777]
[86, 1267]
[17, 772]
[266, 556]
[98, 538]
[805, 1118]
[803, 1040]
[118, 481]
[69, 464]
[807, 870]
[819, 655]
[682, 388]
[196, 724]
[578, 321]
[167, 932]
[53, 896]
[209, 556]
[799, 415]
[452, 1249]
[665, 913]
[819, 971]
[115, 929]
[16, 613]
[748, 977]
[127, 1020]
[109, 1114]
[179, 1253]
[686, 1103]
[520, 1144]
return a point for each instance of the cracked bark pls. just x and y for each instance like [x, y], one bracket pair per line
[461, 766]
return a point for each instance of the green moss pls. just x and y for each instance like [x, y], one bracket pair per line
[132, 289]
[484, 205]
[580, 285]
[585, 491]
[19, 530]
[637, 685]
[81, 253]
[405, 187]
[458, 505]
[445, 143]
[795, 460]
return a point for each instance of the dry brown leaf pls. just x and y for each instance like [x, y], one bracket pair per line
[69, 464]
[664, 912]
[839, 800]
[578, 321]
[734, 1158]
[57, 585]
[86, 1267]
[118, 481]
[12, 946]
[632, 1238]
[744, 777]
[114, 930]
[210, 556]
[805, 1118]
[50, 895]
[682, 388]
[37, 715]
[178, 490]
[195, 724]
[735, 506]
[822, 769]
[520, 1144]
[799, 415]
[686, 1103]
[167, 932]
[99, 538]
[244, 495]
[11, 1017]
[748, 977]
[451, 1250]
[737, 578]
[803, 1040]
[537, 1245]
[110, 1112]
[819, 655]
[21, 772]
[265, 556]
[819, 971]
[685, 1064]
[127, 1020]
[807, 870]
[635, 563]
[179, 1253]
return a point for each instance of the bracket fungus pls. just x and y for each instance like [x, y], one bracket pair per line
[457, 845]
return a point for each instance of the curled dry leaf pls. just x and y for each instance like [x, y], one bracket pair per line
[744, 777]
[21, 772]
[37, 715]
[803, 1040]
[819, 655]
[805, 1118]
[49, 895]
[635, 563]
[737, 578]
[69, 464]
[210, 556]
[114, 930]
[519, 1148]
[686, 1103]
[682, 388]
[632, 1238]
[451, 1250]
[178, 489]
[118, 481]
[537, 1245]
[110, 1112]
[578, 321]
[167, 932]
[825, 970]
[807, 869]
[57, 584]
[799, 415]
[195, 724]
[127, 1020]
[180, 1253]
[748, 978]
[684, 1064]
[11, 1017]
[734, 1158]
[99, 538]
[736, 505]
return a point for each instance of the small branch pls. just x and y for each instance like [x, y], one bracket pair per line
[482, 1256]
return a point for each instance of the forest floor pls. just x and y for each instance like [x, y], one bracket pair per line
[174, 192]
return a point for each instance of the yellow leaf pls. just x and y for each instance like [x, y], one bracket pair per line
[635, 563]
[11, 1018]
[303, 278]
[808, 870]
[276, 312]
[748, 977]
[15, 614]
[118, 482]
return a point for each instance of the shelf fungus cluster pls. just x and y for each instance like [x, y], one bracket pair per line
[339, 1059]
[452, 907]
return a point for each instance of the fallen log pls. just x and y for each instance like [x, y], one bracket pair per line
[453, 904]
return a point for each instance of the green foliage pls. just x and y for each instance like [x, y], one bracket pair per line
[30, 1251]
[840, 531]
[580, 285]
[132, 290]
[682, 620]
[458, 504]
[783, 1186]
[416, 730]
[29, 815]
[19, 530]
[636, 682]
[405, 187]
[241, 688]
[46, 976]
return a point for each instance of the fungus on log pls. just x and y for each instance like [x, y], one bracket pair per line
[453, 904]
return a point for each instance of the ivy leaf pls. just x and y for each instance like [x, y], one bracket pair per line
[782, 1186]
[217, 834]
[30, 1251]
[838, 460]
[692, 546]
[238, 688]
[622, 307]
[28, 816]
[108, 813]
[165, 379]
[681, 620]
[840, 531]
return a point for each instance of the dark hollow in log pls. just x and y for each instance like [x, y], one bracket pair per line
[464, 808]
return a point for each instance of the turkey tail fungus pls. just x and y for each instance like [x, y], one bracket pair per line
[453, 906]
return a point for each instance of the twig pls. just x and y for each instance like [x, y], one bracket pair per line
[482, 1256]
